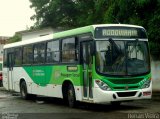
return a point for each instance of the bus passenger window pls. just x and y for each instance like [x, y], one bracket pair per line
[18, 56]
[5, 58]
[27, 54]
[53, 52]
[39, 53]
[69, 50]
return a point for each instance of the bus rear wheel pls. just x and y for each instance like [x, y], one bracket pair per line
[71, 96]
[23, 90]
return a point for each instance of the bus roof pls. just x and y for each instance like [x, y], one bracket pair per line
[66, 33]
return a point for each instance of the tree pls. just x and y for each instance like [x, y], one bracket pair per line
[77, 13]
[17, 37]
[68, 13]
[54, 13]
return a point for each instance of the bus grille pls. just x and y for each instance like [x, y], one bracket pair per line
[125, 81]
[124, 87]
[126, 94]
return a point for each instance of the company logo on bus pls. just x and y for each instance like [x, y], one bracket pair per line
[126, 88]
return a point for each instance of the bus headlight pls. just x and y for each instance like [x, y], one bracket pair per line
[103, 85]
[146, 84]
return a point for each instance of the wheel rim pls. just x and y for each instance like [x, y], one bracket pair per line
[70, 97]
[23, 92]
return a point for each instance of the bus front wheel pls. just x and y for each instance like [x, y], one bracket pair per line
[71, 96]
[23, 90]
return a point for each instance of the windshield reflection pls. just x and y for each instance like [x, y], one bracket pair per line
[122, 57]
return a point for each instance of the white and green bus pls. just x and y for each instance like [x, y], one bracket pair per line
[107, 63]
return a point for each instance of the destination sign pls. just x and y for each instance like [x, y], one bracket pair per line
[119, 32]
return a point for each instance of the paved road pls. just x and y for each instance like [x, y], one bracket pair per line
[13, 107]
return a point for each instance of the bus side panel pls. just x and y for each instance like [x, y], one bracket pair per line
[48, 80]
[21, 74]
[5, 78]
[50, 90]
[41, 76]
[72, 73]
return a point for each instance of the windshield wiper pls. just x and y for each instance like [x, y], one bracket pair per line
[117, 49]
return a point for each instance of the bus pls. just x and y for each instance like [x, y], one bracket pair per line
[103, 63]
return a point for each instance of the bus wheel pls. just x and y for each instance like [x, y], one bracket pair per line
[1, 84]
[71, 96]
[23, 90]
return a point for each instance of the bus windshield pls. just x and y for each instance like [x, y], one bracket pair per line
[122, 57]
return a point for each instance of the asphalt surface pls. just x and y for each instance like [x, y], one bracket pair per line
[13, 107]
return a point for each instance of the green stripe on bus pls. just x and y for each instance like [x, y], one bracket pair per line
[43, 75]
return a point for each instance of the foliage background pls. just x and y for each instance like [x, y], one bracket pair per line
[76, 13]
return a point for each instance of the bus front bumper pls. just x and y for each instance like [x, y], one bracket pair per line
[101, 96]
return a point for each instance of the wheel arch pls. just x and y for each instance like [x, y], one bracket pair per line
[21, 80]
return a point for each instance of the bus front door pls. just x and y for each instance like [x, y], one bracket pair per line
[10, 70]
[86, 60]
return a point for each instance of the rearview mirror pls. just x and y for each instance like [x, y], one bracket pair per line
[92, 48]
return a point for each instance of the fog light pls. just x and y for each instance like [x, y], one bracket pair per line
[146, 93]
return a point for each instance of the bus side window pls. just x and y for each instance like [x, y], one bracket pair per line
[39, 53]
[69, 50]
[53, 52]
[5, 58]
[18, 56]
[27, 54]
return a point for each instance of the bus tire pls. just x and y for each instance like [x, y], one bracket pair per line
[1, 83]
[71, 96]
[23, 91]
